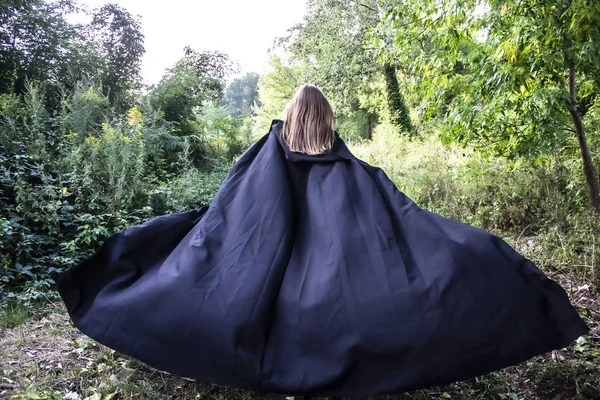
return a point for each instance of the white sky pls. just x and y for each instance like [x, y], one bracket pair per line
[243, 29]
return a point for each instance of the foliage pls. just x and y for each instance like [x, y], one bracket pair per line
[334, 43]
[241, 95]
[121, 43]
[515, 78]
[87, 109]
[113, 163]
[219, 132]
[196, 79]
[176, 96]
[275, 89]
[36, 42]
[71, 177]
[399, 114]
[212, 68]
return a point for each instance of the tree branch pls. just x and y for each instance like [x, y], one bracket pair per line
[369, 7]
[572, 85]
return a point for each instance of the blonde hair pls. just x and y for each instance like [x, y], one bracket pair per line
[309, 125]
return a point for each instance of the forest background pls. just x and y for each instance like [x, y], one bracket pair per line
[485, 112]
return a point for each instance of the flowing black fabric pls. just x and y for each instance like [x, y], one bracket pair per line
[315, 275]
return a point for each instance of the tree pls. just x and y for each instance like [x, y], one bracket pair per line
[335, 40]
[176, 96]
[212, 68]
[36, 42]
[122, 45]
[399, 114]
[241, 95]
[516, 78]
[275, 89]
[197, 79]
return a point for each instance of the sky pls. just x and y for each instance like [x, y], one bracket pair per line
[243, 29]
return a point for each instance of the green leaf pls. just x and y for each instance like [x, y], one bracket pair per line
[32, 393]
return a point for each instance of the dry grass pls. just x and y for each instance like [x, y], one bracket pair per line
[44, 357]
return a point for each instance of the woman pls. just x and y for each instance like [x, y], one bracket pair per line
[310, 273]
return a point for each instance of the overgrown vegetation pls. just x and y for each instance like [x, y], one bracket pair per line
[79, 161]
[485, 112]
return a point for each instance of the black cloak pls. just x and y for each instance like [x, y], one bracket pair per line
[315, 275]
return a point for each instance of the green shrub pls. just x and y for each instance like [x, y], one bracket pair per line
[86, 110]
[112, 165]
[492, 193]
[71, 177]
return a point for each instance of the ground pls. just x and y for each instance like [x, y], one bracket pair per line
[42, 356]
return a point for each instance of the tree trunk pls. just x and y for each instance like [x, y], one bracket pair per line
[398, 111]
[588, 166]
[399, 115]
[372, 123]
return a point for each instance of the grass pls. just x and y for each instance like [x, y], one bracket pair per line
[44, 357]
[12, 314]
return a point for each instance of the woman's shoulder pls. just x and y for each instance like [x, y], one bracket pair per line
[276, 123]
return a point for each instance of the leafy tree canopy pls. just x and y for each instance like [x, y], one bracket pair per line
[241, 95]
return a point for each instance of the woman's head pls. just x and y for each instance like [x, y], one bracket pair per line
[309, 124]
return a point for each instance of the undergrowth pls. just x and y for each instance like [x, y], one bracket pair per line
[538, 205]
[71, 177]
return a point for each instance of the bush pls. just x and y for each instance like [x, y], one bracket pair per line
[71, 177]
[491, 193]
[112, 166]
[86, 110]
